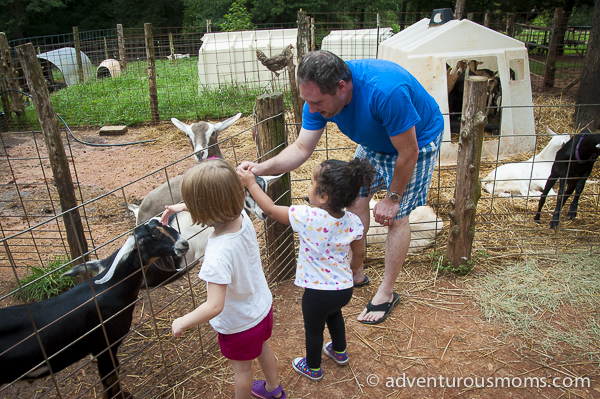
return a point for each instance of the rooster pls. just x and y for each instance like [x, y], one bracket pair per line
[277, 62]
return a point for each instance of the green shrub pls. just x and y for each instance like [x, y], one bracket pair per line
[44, 282]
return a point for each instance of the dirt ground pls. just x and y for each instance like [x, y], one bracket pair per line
[434, 345]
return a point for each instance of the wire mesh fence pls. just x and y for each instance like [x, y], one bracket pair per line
[152, 362]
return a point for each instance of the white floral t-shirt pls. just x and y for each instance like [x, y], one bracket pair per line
[323, 262]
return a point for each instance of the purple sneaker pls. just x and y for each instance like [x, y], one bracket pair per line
[300, 366]
[339, 358]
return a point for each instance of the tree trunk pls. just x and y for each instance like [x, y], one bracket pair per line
[459, 10]
[468, 189]
[588, 115]
[550, 69]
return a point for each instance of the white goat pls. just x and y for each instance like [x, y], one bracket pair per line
[424, 226]
[526, 178]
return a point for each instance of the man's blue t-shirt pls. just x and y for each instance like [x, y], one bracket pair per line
[386, 101]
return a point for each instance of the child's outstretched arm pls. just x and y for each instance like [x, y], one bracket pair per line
[358, 255]
[170, 209]
[276, 212]
[215, 301]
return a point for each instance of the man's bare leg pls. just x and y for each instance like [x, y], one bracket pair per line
[396, 248]
[361, 209]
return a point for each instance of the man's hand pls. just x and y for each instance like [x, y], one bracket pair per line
[255, 168]
[385, 211]
[246, 176]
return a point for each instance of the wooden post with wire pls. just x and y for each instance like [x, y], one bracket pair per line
[8, 76]
[80, 77]
[152, 90]
[270, 141]
[121, 43]
[467, 189]
[56, 151]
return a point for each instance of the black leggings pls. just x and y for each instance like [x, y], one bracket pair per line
[320, 307]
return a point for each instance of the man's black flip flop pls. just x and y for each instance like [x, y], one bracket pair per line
[386, 307]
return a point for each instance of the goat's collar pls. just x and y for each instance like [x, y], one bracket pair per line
[579, 160]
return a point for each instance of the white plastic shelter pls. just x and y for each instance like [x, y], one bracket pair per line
[227, 58]
[425, 51]
[65, 60]
[109, 67]
[355, 44]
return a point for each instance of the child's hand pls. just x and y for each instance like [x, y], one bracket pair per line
[169, 210]
[246, 177]
[177, 328]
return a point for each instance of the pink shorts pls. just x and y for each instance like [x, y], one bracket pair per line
[247, 345]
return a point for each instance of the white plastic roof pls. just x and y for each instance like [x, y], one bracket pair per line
[355, 44]
[65, 59]
[454, 36]
[426, 52]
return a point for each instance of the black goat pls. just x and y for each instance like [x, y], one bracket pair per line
[69, 326]
[572, 166]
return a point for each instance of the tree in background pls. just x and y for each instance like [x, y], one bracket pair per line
[589, 115]
[15, 21]
[238, 18]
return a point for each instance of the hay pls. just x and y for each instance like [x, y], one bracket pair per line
[546, 305]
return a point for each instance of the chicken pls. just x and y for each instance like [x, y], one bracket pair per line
[277, 62]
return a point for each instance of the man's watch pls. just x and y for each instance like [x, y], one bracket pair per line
[393, 196]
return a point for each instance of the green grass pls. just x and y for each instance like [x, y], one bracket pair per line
[125, 100]
[43, 282]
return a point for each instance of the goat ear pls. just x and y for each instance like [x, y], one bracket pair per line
[187, 129]
[227, 122]
[125, 250]
[550, 131]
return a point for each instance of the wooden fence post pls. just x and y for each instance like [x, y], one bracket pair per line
[171, 48]
[279, 238]
[56, 152]
[78, 55]
[152, 91]
[468, 189]
[487, 20]
[550, 69]
[121, 42]
[302, 39]
[9, 75]
[312, 34]
[105, 49]
[510, 25]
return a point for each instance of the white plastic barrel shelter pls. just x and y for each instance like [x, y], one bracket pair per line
[425, 51]
[65, 60]
[229, 58]
[355, 44]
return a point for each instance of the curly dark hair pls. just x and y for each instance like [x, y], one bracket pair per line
[341, 181]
